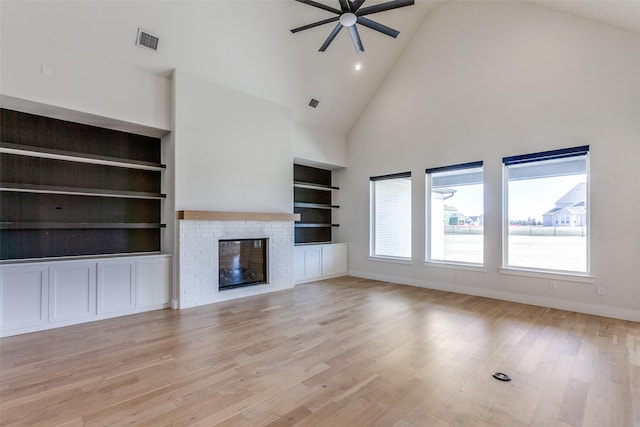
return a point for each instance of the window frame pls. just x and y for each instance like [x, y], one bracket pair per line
[428, 216]
[372, 218]
[539, 157]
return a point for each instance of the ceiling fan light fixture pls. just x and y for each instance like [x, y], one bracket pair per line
[348, 19]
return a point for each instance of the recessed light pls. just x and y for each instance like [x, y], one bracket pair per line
[358, 66]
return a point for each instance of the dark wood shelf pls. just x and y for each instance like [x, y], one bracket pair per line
[314, 205]
[55, 189]
[313, 200]
[79, 157]
[74, 225]
[69, 189]
[303, 184]
[310, 225]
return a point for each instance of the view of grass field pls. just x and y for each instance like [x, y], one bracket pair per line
[549, 248]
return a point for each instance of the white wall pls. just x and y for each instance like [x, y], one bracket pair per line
[484, 80]
[233, 152]
[318, 147]
[83, 82]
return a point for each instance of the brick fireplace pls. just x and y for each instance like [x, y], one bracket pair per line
[199, 234]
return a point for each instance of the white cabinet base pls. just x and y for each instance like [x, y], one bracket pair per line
[41, 295]
[323, 261]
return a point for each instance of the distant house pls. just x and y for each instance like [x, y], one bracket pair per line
[453, 217]
[570, 209]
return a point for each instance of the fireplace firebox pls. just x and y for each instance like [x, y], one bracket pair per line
[242, 262]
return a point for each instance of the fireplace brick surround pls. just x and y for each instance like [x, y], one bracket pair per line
[198, 236]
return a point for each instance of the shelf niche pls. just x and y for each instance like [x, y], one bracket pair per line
[313, 200]
[82, 205]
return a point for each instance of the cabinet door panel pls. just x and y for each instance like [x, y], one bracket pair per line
[334, 260]
[340, 259]
[312, 262]
[72, 291]
[152, 282]
[23, 297]
[116, 286]
[328, 261]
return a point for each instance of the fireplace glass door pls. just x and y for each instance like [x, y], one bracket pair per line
[242, 262]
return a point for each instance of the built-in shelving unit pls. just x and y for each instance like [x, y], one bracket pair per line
[70, 189]
[313, 200]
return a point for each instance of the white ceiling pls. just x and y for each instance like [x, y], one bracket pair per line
[247, 45]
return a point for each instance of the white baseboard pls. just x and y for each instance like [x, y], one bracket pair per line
[579, 307]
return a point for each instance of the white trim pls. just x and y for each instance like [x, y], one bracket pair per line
[480, 268]
[505, 215]
[579, 307]
[378, 258]
[427, 217]
[588, 202]
[372, 228]
[555, 275]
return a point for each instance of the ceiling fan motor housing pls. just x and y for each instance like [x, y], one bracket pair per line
[348, 19]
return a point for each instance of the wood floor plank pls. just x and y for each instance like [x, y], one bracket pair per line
[340, 352]
[574, 403]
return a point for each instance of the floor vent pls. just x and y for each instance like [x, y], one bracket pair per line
[313, 103]
[145, 39]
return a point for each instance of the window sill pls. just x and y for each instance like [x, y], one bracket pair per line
[564, 276]
[390, 259]
[479, 268]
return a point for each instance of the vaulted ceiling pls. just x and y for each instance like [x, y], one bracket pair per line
[247, 45]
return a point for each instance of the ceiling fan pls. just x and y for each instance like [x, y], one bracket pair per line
[349, 14]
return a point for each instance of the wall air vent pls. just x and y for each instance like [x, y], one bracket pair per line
[313, 103]
[147, 40]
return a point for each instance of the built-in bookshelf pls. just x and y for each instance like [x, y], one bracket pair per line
[69, 189]
[313, 200]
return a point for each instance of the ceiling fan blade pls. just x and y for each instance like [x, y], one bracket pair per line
[315, 24]
[378, 27]
[394, 4]
[332, 36]
[321, 6]
[356, 5]
[357, 43]
[344, 5]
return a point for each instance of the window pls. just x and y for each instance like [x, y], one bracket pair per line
[547, 210]
[391, 216]
[455, 224]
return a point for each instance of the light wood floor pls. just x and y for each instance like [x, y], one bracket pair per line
[343, 352]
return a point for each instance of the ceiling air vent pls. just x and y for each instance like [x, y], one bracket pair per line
[313, 103]
[147, 40]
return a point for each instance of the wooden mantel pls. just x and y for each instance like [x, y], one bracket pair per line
[236, 216]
